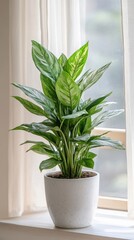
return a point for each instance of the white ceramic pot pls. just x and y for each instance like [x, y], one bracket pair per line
[72, 202]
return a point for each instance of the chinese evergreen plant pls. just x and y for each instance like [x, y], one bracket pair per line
[68, 119]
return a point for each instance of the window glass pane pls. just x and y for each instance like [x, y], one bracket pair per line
[102, 27]
[111, 164]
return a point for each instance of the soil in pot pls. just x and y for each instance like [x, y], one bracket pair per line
[85, 174]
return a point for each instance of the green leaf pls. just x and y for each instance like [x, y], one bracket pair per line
[105, 116]
[91, 77]
[95, 109]
[87, 137]
[48, 87]
[50, 123]
[67, 91]
[86, 162]
[62, 60]
[82, 138]
[85, 125]
[38, 129]
[38, 97]
[43, 149]
[31, 107]
[75, 115]
[45, 61]
[33, 126]
[105, 141]
[46, 146]
[98, 108]
[91, 155]
[90, 104]
[49, 163]
[95, 137]
[76, 62]
[83, 152]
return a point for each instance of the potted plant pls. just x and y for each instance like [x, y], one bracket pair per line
[68, 122]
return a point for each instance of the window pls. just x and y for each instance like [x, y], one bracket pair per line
[101, 24]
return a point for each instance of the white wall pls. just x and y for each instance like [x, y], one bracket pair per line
[4, 98]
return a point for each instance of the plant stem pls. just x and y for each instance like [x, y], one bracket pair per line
[64, 160]
[79, 171]
[71, 159]
[76, 125]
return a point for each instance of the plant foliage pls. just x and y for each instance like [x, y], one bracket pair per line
[68, 120]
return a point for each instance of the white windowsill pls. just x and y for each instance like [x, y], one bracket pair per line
[108, 224]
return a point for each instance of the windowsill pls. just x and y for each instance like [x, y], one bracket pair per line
[108, 224]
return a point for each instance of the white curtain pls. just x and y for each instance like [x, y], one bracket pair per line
[55, 23]
[64, 31]
[128, 31]
[26, 188]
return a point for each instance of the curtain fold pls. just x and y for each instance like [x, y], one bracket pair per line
[64, 29]
[26, 187]
[128, 26]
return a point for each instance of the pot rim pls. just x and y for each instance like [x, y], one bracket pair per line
[46, 175]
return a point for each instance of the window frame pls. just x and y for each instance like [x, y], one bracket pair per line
[110, 202]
